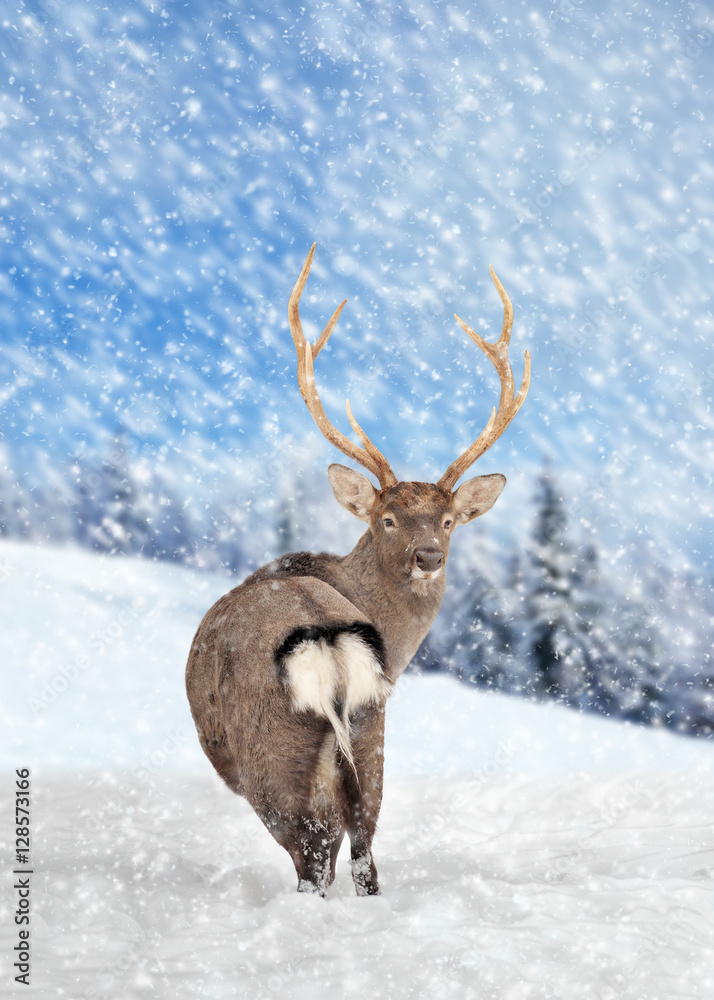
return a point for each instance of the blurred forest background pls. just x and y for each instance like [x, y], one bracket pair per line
[546, 620]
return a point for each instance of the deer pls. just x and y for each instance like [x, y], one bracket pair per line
[289, 673]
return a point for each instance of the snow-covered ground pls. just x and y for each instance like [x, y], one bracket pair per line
[524, 851]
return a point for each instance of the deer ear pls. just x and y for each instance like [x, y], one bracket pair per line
[353, 491]
[476, 496]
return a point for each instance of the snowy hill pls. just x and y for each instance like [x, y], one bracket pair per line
[98, 646]
[524, 850]
[165, 169]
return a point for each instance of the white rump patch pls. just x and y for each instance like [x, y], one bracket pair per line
[321, 675]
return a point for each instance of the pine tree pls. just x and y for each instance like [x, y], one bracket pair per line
[112, 513]
[559, 669]
[488, 640]
[587, 644]
[15, 518]
[286, 526]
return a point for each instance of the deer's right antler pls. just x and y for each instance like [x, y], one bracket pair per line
[367, 456]
[508, 404]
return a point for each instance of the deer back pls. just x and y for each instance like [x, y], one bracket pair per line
[277, 665]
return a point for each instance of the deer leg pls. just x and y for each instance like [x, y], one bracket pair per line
[334, 851]
[363, 793]
[364, 870]
[312, 844]
[312, 855]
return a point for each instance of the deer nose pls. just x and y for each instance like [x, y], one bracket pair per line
[429, 560]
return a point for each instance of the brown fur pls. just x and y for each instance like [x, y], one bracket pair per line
[285, 762]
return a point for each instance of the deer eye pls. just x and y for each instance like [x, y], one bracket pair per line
[388, 522]
[448, 522]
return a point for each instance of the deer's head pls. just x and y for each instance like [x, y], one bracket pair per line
[410, 523]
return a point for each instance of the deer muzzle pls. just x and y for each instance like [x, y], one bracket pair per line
[428, 561]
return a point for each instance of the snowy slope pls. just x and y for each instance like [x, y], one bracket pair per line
[166, 167]
[504, 889]
[524, 851]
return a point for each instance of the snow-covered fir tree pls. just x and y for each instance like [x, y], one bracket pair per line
[586, 640]
[554, 646]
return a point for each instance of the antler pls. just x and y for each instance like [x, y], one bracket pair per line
[368, 456]
[508, 405]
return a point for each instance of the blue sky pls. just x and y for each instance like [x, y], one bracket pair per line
[166, 170]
